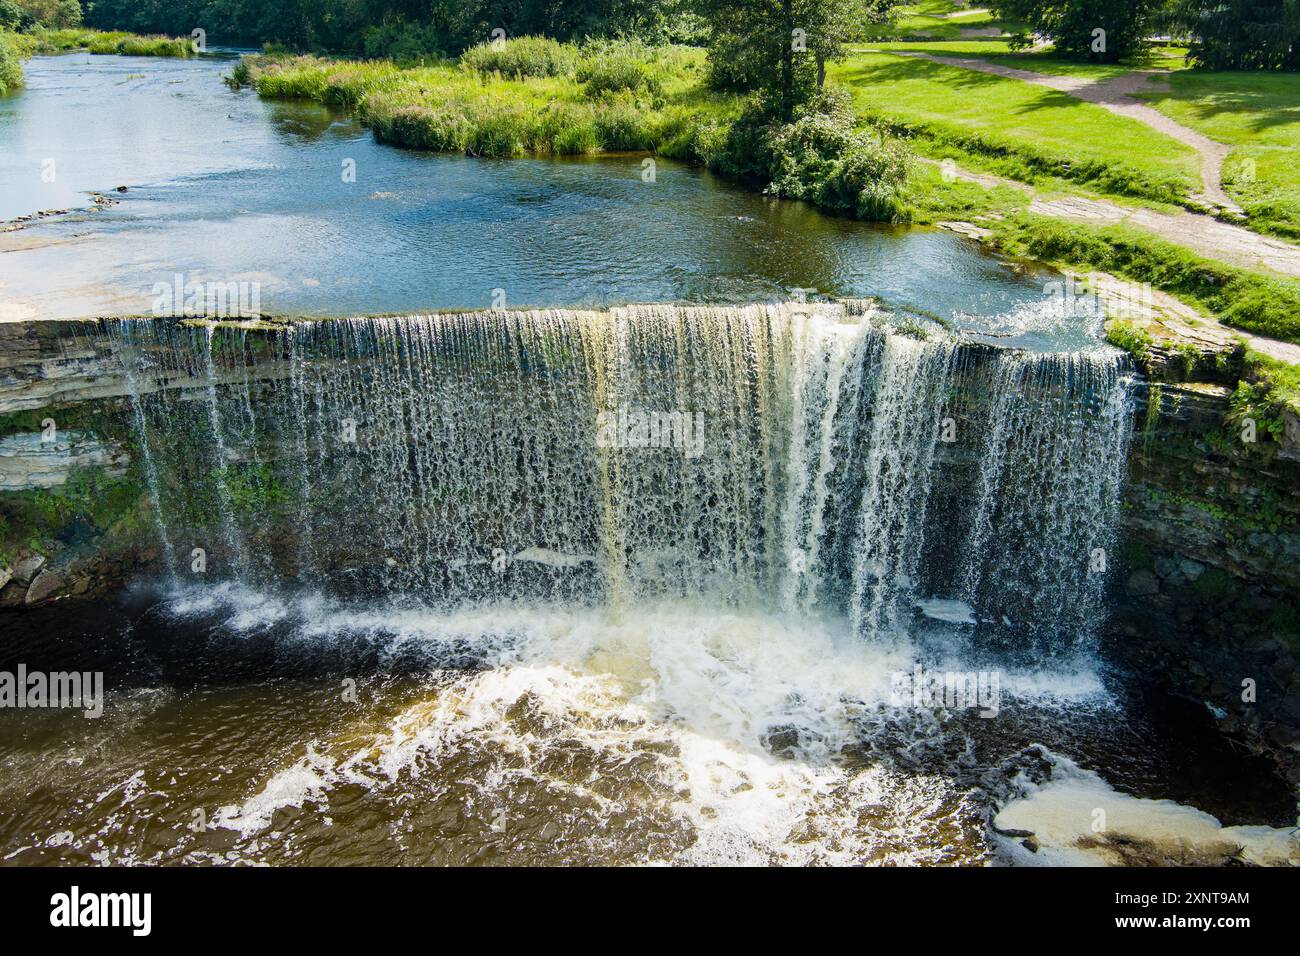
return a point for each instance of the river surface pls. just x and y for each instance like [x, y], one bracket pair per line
[225, 187]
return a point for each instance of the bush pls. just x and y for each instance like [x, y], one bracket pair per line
[523, 56]
[627, 66]
[11, 67]
[822, 157]
[402, 42]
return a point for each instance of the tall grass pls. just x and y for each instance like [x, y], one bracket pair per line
[537, 96]
[523, 57]
[108, 42]
[468, 109]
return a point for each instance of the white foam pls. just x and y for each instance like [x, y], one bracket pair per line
[1076, 818]
[950, 611]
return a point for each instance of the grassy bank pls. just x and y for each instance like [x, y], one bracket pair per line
[538, 96]
[107, 42]
[532, 96]
[1258, 114]
[1263, 304]
[1017, 129]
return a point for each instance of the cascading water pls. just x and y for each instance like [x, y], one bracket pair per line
[650, 585]
[804, 458]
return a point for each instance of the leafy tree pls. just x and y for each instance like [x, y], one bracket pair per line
[11, 15]
[48, 13]
[780, 47]
[353, 26]
[1100, 30]
[1243, 34]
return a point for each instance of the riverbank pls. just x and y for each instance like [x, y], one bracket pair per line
[664, 107]
[16, 47]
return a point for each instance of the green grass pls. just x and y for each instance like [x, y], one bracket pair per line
[602, 99]
[939, 19]
[116, 42]
[1258, 114]
[929, 198]
[1018, 129]
[1279, 380]
[1263, 304]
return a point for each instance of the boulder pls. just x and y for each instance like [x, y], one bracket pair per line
[47, 584]
[1142, 583]
[27, 569]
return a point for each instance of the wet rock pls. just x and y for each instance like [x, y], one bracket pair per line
[46, 585]
[27, 569]
[28, 461]
[1191, 569]
[1169, 571]
[1142, 583]
[1290, 440]
[5, 576]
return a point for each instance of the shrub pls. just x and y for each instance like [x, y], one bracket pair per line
[824, 158]
[522, 56]
[627, 66]
[402, 42]
[1130, 338]
[11, 68]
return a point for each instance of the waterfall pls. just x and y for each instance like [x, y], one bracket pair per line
[805, 457]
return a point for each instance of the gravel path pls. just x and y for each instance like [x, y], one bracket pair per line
[1201, 234]
[1116, 95]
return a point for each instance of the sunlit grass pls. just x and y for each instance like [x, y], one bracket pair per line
[475, 108]
[1019, 129]
[107, 42]
[1258, 114]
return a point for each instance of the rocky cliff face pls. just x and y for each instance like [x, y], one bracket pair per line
[1206, 601]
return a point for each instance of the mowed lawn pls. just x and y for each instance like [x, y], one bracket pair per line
[1258, 114]
[940, 19]
[1018, 128]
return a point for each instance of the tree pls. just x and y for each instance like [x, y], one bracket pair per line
[1104, 31]
[50, 13]
[781, 47]
[1243, 34]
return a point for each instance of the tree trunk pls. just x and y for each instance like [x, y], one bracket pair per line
[821, 71]
[787, 61]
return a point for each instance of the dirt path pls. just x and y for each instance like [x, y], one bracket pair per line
[1202, 234]
[1116, 95]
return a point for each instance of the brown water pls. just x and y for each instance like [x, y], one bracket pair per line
[528, 736]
